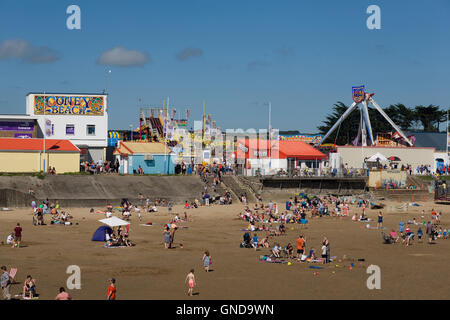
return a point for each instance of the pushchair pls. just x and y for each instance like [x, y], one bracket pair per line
[387, 239]
[247, 241]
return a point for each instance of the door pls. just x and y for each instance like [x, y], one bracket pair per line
[125, 165]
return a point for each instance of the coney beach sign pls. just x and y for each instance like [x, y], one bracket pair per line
[69, 105]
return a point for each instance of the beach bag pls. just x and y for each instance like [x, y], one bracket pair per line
[303, 258]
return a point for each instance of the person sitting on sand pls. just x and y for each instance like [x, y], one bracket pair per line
[265, 242]
[290, 251]
[10, 239]
[393, 236]
[276, 250]
[282, 228]
[29, 287]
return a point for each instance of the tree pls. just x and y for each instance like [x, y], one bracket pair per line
[430, 117]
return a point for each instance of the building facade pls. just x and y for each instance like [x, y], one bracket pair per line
[27, 155]
[152, 157]
[80, 118]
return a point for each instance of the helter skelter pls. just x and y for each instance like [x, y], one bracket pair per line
[365, 135]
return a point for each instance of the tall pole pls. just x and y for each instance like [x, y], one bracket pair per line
[45, 129]
[270, 136]
[165, 136]
[106, 80]
[447, 134]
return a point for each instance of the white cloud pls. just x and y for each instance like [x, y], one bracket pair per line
[189, 53]
[123, 57]
[25, 51]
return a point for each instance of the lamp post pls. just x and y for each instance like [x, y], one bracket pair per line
[131, 132]
[45, 133]
[106, 80]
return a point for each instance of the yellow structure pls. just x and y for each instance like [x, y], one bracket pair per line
[27, 155]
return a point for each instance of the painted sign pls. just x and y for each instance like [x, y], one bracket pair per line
[16, 126]
[307, 138]
[69, 105]
[23, 135]
[358, 94]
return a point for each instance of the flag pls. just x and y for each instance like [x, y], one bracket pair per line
[152, 112]
[188, 113]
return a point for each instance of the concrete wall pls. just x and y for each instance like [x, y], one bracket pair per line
[98, 190]
[380, 178]
[354, 156]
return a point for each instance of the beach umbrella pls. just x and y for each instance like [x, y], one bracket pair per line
[114, 222]
[394, 158]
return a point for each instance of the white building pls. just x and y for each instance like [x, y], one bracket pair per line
[80, 118]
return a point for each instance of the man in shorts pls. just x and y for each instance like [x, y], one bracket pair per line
[17, 235]
[300, 246]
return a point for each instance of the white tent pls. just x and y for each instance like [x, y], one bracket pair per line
[114, 222]
[377, 156]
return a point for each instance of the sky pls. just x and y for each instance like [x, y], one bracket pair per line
[302, 56]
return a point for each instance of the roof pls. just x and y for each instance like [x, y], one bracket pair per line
[300, 150]
[285, 149]
[32, 144]
[126, 147]
[435, 140]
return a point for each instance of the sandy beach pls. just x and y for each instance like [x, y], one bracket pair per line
[148, 271]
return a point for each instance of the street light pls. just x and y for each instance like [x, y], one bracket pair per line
[106, 80]
[131, 132]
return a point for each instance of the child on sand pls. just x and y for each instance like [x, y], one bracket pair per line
[255, 241]
[206, 260]
[190, 280]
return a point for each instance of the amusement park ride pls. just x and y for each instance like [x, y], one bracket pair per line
[362, 99]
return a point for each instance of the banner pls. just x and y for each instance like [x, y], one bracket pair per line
[48, 128]
[69, 105]
[307, 138]
[16, 126]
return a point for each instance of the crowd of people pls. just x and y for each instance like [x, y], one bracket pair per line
[101, 166]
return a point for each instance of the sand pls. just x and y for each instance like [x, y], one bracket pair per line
[148, 271]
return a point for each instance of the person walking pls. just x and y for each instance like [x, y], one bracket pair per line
[380, 220]
[167, 237]
[326, 243]
[190, 280]
[430, 231]
[17, 236]
[206, 260]
[5, 283]
[111, 292]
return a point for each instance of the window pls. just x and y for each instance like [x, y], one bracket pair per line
[90, 130]
[70, 129]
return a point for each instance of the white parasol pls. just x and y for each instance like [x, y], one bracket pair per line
[114, 222]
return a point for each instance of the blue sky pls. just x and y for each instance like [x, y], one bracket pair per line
[303, 56]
